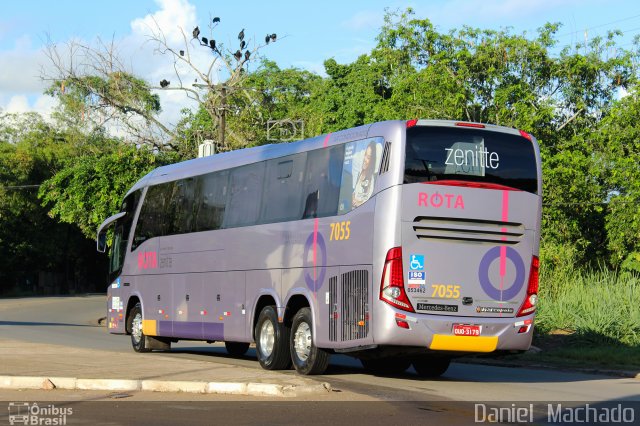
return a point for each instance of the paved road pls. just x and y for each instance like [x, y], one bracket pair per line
[71, 321]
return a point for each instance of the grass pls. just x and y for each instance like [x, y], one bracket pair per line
[598, 307]
[588, 319]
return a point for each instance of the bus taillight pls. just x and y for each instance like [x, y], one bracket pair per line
[392, 285]
[531, 300]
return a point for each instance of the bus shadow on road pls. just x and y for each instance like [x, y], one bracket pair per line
[462, 372]
[43, 324]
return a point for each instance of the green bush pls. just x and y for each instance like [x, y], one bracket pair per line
[601, 306]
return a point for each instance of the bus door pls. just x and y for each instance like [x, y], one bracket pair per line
[187, 300]
[470, 217]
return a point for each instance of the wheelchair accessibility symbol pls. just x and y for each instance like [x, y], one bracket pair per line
[417, 262]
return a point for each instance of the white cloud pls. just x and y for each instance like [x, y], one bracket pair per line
[21, 70]
[21, 86]
[18, 104]
[173, 16]
[176, 20]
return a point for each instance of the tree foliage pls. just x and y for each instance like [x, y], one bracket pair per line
[580, 101]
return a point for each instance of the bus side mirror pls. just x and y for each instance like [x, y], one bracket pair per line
[102, 242]
[101, 239]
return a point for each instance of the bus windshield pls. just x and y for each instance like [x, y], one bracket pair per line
[470, 155]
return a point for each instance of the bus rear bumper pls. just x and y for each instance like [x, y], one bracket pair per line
[436, 333]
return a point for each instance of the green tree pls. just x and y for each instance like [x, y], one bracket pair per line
[90, 188]
[36, 252]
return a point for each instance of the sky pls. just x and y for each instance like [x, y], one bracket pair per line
[308, 32]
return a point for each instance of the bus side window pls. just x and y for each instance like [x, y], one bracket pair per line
[151, 220]
[182, 207]
[243, 205]
[322, 181]
[211, 200]
[283, 184]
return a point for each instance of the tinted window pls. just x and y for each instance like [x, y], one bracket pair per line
[474, 155]
[152, 219]
[212, 196]
[322, 182]
[283, 184]
[245, 193]
[180, 213]
[122, 229]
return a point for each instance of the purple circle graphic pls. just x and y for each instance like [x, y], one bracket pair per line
[315, 284]
[485, 282]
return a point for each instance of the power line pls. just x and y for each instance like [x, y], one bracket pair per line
[598, 26]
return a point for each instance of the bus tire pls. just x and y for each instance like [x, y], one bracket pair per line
[386, 366]
[306, 356]
[236, 348]
[431, 366]
[272, 339]
[138, 339]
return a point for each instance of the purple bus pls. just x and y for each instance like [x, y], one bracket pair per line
[399, 243]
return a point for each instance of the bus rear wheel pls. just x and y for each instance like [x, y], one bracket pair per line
[306, 356]
[138, 340]
[272, 339]
[431, 366]
[236, 348]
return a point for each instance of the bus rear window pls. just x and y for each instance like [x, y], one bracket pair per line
[470, 155]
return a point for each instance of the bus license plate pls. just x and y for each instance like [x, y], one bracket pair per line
[466, 330]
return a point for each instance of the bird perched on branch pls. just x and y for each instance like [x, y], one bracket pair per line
[273, 37]
[164, 83]
[205, 41]
[246, 55]
[212, 44]
[196, 32]
[237, 55]
[216, 19]
[182, 53]
[242, 44]
[241, 35]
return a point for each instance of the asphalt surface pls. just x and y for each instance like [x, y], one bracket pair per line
[60, 337]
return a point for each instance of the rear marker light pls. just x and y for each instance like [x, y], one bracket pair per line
[411, 123]
[525, 135]
[402, 324]
[465, 124]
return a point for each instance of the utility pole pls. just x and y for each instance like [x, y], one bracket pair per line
[220, 111]
[222, 117]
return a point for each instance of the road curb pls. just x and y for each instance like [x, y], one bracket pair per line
[228, 388]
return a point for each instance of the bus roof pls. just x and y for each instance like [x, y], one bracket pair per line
[225, 160]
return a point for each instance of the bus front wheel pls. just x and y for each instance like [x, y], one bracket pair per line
[272, 339]
[306, 356]
[138, 340]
